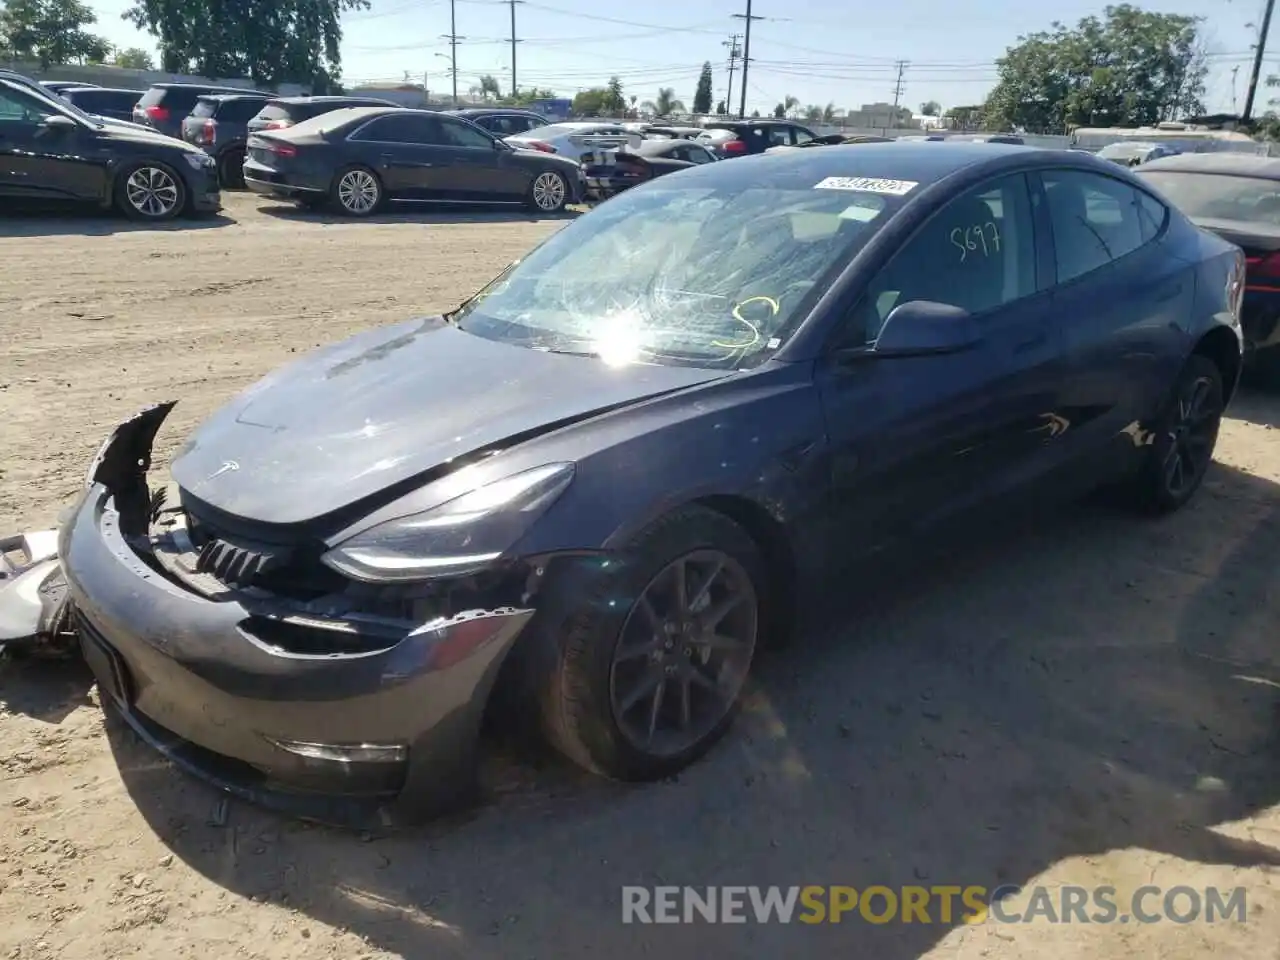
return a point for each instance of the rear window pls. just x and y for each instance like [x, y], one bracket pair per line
[204, 108]
[274, 111]
[152, 97]
[1217, 196]
[239, 111]
[176, 100]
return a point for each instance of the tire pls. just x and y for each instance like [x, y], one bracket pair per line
[1187, 431]
[231, 169]
[361, 189]
[548, 193]
[150, 191]
[592, 663]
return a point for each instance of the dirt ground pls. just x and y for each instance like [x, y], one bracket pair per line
[1088, 700]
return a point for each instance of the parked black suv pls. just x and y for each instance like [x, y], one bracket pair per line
[51, 150]
[114, 104]
[166, 105]
[283, 112]
[501, 122]
[218, 124]
[739, 138]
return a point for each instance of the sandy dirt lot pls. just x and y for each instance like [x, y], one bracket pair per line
[1089, 700]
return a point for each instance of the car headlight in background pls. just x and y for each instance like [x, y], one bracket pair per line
[460, 536]
[198, 161]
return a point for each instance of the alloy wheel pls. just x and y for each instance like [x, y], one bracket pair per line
[152, 191]
[548, 191]
[684, 653]
[358, 191]
[1191, 436]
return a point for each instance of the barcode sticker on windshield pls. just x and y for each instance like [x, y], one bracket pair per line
[893, 188]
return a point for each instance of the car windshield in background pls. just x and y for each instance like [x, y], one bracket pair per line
[1217, 196]
[697, 276]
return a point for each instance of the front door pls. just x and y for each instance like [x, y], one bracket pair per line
[477, 167]
[915, 439]
[44, 162]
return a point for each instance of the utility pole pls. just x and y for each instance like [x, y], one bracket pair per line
[734, 53]
[1257, 62]
[514, 41]
[453, 38]
[897, 88]
[1235, 87]
[747, 18]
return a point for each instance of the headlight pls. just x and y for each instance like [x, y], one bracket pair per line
[462, 535]
[198, 161]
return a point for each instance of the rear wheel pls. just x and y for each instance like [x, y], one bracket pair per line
[1182, 448]
[231, 168]
[357, 192]
[647, 671]
[549, 192]
[150, 191]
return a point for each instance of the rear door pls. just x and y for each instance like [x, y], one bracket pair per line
[406, 150]
[475, 167]
[1124, 299]
[915, 439]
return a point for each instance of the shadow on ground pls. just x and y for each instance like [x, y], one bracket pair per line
[420, 213]
[1085, 683]
[54, 220]
[43, 690]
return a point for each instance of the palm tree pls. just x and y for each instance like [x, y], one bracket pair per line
[665, 105]
[487, 88]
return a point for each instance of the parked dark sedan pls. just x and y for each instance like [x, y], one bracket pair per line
[1237, 196]
[740, 138]
[358, 158]
[218, 125]
[634, 457]
[109, 103]
[501, 122]
[51, 150]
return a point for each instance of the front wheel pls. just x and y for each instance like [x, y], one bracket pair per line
[150, 191]
[647, 671]
[1182, 447]
[357, 192]
[549, 192]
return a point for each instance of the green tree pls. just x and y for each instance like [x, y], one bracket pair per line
[488, 87]
[813, 113]
[590, 103]
[135, 58]
[829, 113]
[50, 31]
[721, 109]
[665, 104]
[702, 96]
[931, 108]
[615, 100]
[755, 114]
[286, 41]
[1128, 68]
[780, 111]
[523, 98]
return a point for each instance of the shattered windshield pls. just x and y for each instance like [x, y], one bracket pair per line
[661, 274]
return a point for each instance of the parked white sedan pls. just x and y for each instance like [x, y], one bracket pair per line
[587, 141]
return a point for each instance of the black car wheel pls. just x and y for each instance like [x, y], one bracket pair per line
[648, 670]
[357, 191]
[231, 169]
[150, 191]
[1182, 448]
[549, 192]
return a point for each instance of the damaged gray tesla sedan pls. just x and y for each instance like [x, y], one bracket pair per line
[622, 463]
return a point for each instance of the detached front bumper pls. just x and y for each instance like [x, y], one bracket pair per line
[378, 738]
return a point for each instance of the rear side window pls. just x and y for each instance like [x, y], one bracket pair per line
[204, 108]
[1152, 215]
[96, 100]
[277, 111]
[1096, 220]
[413, 128]
[179, 101]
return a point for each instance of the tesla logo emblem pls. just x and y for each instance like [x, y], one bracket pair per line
[229, 467]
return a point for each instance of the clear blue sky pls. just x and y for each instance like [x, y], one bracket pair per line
[822, 51]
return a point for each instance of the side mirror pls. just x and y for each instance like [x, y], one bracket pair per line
[501, 146]
[922, 328]
[58, 124]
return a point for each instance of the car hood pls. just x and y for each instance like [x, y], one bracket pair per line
[389, 405]
[125, 131]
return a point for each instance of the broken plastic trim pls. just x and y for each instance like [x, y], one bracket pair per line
[33, 594]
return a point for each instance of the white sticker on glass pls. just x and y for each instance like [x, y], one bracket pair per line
[893, 188]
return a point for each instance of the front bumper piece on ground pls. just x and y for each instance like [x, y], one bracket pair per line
[379, 738]
[34, 614]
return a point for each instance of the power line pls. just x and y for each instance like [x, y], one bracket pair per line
[747, 19]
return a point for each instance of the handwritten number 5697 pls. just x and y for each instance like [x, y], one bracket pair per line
[981, 236]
